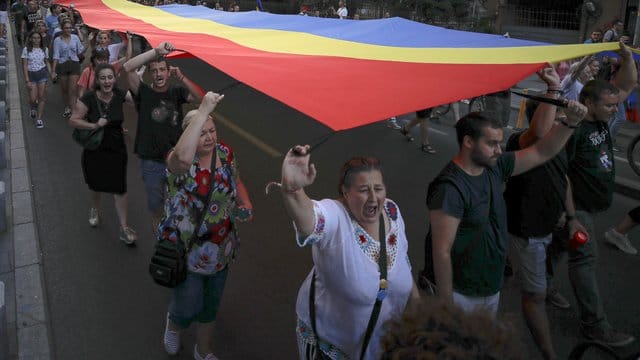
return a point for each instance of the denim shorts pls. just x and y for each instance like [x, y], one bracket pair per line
[154, 176]
[533, 254]
[197, 298]
[40, 76]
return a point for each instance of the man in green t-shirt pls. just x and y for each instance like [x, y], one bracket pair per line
[467, 211]
[159, 108]
[591, 175]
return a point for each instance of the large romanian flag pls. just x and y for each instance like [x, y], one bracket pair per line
[344, 73]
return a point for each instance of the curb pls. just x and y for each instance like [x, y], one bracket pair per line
[30, 307]
[627, 188]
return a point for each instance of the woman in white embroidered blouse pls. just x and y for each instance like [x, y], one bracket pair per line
[345, 239]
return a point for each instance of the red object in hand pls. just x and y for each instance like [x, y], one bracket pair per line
[578, 239]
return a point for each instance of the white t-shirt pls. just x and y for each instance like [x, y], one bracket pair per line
[571, 88]
[343, 12]
[114, 51]
[35, 58]
[348, 278]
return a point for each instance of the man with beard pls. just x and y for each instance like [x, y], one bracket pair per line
[467, 211]
[159, 108]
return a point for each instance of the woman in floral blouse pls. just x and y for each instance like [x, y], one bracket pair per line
[346, 242]
[198, 162]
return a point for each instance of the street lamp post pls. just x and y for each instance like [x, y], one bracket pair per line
[636, 33]
[583, 20]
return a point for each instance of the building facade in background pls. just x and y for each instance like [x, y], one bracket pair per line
[560, 21]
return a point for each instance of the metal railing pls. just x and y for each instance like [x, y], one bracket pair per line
[535, 17]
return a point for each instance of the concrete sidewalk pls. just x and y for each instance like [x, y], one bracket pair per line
[20, 258]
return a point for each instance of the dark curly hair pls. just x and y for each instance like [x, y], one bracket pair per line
[434, 329]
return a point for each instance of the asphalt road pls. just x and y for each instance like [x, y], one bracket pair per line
[102, 304]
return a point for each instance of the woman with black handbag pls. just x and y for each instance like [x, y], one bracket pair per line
[361, 275]
[205, 199]
[105, 168]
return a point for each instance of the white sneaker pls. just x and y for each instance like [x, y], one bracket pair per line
[171, 339]
[128, 235]
[620, 241]
[94, 219]
[39, 124]
[393, 123]
[197, 356]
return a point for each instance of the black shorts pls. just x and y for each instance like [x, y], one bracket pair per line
[423, 114]
[68, 67]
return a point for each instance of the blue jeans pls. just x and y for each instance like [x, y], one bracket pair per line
[154, 176]
[617, 121]
[582, 272]
[197, 298]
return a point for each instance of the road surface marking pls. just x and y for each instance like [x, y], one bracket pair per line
[249, 137]
[438, 131]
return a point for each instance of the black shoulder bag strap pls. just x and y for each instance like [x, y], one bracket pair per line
[382, 293]
[382, 290]
[102, 113]
[200, 219]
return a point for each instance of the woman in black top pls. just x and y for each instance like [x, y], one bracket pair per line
[105, 169]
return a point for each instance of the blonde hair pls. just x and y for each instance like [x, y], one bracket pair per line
[192, 114]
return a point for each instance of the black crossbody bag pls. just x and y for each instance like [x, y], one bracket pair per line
[168, 266]
[382, 293]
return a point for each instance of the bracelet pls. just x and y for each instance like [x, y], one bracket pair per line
[570, 217]
[290, 191]
[181, 79]
[282, 189]
[577, 125]
[554, 90]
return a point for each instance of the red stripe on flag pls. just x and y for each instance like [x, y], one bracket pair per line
[341, 93]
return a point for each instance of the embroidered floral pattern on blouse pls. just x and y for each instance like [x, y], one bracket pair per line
[318, 229]
[392, 210]
[371, 247]
[305, 336]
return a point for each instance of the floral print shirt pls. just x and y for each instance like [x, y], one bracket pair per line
[217, 241]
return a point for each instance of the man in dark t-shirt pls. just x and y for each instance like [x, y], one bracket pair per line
[591, 175]
[535, 204]
[159, 108]
[29, 19]
[467, 211]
